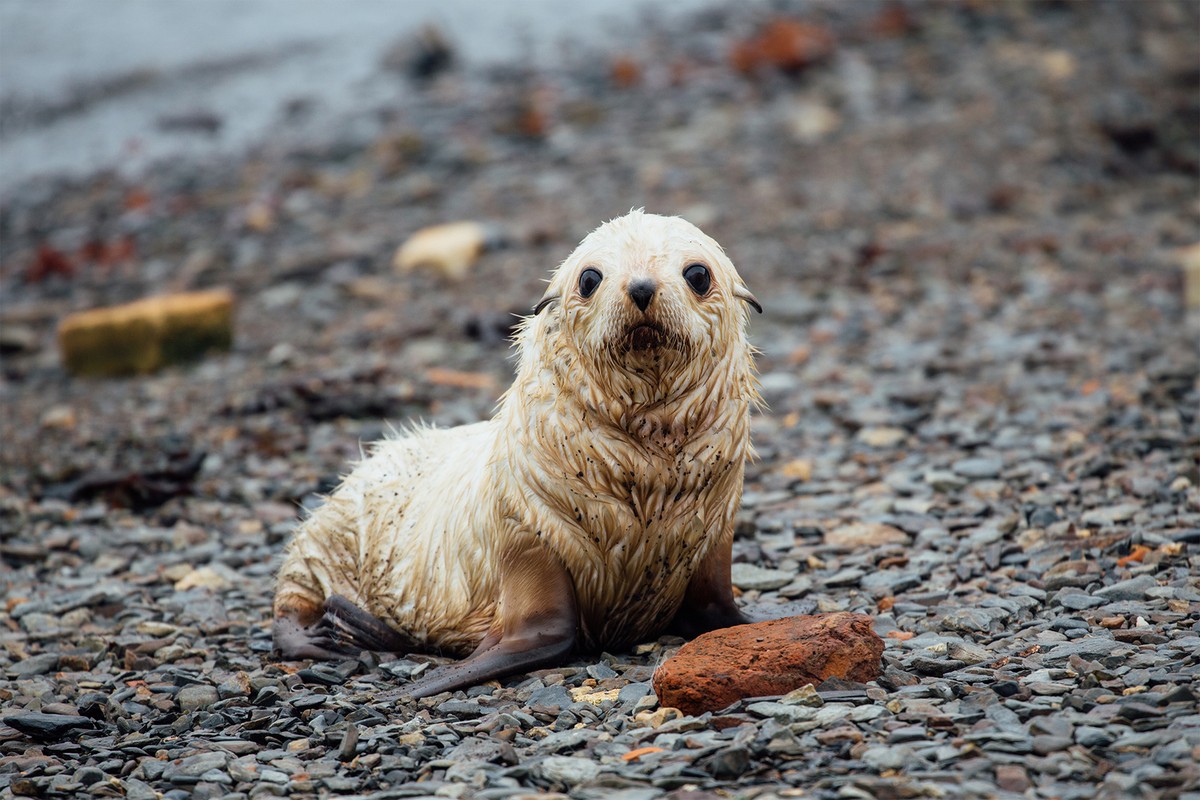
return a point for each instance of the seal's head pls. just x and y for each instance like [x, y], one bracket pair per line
[652, 298]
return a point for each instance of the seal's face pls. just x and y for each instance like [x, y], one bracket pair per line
[650, 296]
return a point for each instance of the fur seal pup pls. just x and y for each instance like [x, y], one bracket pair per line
[595, 510]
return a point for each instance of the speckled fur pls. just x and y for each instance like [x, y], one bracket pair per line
[625, 463]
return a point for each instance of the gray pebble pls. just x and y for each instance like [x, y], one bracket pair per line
[1110, 515]
[978, 468]
[193, 698]
[349, 745]
[569, 770]
[751, 577]
[1091, 736]
[34, 665]
[1132, 589]
[189, 769]
[1088, 648]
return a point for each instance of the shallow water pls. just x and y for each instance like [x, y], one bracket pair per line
[86, 85]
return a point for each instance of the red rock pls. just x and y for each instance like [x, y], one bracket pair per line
[785, 44]
[625, 73]
[47, 262]
[768, 658]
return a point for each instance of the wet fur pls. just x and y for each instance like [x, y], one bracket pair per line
[621, 465]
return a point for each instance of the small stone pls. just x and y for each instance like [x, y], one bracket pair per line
[978, 468]
[1087, 648]
[196, 697]
[882, 437]
[1188, 258]
[727, 763]
[349, 745]
[929, 665]
[1043, 517]
[569, 770]
[970, 619]
[784, 44]
[189, 770]
[1078, 601]
[752, 577]
[1012, 778]
[1132, 589]
[556, 695]
[944, 480]
[601, 671]
[586, 695]
[1045, 745]
[237, 685]
[768, 658]
[883, 757]
[865, 534]
[630, 694]
[16, 339]
[146, 335]
[47, 727]
[205, 578]
[460, 708]
[139, 790]
[59, 417]
[34, 665]
[1091, 736]
[274, 776]
[450, 250]
[1110, 515]
[799, 469]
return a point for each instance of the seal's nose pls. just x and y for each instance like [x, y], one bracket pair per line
[642, 292]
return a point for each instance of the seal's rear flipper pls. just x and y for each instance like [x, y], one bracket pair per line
[355, 629]
[535, 625]
[343, 630]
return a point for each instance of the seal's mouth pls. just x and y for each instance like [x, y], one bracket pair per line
[646, 336]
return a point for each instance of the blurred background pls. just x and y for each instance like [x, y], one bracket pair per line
[85, 86]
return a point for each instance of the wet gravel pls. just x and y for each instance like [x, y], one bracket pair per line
[981, 429]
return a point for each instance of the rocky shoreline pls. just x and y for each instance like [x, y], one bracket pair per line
[966, 223]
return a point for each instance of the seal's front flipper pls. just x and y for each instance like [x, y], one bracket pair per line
[342, 630]
[708, 603]
[535, 625]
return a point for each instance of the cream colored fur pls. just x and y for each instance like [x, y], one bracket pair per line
[627, 464]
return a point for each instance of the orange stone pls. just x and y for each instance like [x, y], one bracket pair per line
[768, 658]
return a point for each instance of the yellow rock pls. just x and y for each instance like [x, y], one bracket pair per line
[798, 470]
[204, 577]
[60, 417]
[882, 437]
[1189, 259]
[450, 250]
[146, 335]
[1057, 64]
[585, 694]
[656, 719]
[260, 217]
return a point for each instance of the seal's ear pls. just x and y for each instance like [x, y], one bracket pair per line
[743, 293]
[545, 301]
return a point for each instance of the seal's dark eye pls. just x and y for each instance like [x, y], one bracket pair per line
[698, 278]
[589, 279]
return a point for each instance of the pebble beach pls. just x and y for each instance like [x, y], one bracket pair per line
[972, 228]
